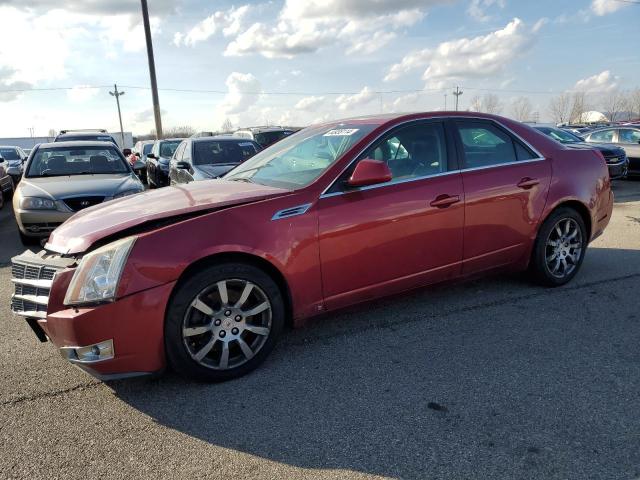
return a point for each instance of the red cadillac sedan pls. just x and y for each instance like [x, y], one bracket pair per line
[203, 277]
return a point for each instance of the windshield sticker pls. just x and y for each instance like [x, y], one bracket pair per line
[341, 132]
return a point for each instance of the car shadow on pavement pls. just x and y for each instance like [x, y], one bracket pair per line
[493, 378]
[626, 191]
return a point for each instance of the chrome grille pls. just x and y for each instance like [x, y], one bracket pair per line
[32, 288]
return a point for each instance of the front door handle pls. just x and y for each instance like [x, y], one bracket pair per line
[443, 201]
[527, 183]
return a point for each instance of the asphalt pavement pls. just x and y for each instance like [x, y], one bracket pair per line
[496, 378]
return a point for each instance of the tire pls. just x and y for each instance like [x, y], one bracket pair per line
[214, 325]
[29, 241]
[560, 248]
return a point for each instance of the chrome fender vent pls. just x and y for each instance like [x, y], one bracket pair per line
[291, 212]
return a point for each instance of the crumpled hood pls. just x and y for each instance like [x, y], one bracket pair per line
[56, 188]
[88, 226]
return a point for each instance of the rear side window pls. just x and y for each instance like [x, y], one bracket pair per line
[485, 145]
[629, 136]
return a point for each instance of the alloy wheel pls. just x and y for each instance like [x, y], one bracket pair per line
[564, 248]
[227, 324]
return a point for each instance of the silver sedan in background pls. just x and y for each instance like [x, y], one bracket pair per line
[64, 177]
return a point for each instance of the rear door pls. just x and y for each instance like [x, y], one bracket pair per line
[407, 232]
[629, 139]
[506, 184]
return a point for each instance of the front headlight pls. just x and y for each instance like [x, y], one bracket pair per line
[37, 203]
[127, 193]
[96, 278]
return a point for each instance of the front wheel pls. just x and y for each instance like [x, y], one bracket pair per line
[223, 321]
[560, 248]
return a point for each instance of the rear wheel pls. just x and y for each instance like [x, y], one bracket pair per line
[223, 321]
[560, 248]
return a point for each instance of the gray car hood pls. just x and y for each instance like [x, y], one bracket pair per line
[56, 188]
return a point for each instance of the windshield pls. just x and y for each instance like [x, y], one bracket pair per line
[51, 162]
[267, 138]
[299, 159]
[168, 148]
[222, 152]
[561, 136]
[146, 148]
[9, 154]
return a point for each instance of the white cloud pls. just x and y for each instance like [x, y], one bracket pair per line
[309, 103]
[480, 56]
[599, 83]
[82, 93]
[350, 102]
[605, 7]
[227, 22]
[477, 8]
[305, 26]
[243, 92]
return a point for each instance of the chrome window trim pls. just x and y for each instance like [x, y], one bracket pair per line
[539, 157]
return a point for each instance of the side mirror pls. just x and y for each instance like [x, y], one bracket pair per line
[150, 155]
[369, 172]
[183, 166]
[126, 151]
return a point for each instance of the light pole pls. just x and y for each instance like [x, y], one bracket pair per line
[118, 94]
[457, 94]
[152, 69]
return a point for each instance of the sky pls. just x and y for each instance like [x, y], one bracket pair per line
[297, 62]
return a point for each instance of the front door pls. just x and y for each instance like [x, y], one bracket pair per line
[385, 238]
[506, 185]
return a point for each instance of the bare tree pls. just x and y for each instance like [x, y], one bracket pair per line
[613, 103]
[178, 132]
[227, 126]
[633, 100]
[578, 107]
[488, 103]
[491, 104]
[521, 109]
[52, 133]
[559, 108]
[476, 104]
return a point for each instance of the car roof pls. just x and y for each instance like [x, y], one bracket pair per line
[84, 134]
[169, 140]
[221, 138]
[77, 143]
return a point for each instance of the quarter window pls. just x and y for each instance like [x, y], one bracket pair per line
[629, 136]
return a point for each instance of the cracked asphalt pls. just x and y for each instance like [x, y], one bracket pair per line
[496, 378]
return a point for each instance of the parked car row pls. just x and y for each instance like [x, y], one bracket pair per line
[333, 215]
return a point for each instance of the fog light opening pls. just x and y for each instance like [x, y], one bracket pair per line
[91, 353]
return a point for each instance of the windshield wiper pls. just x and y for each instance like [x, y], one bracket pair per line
[240, 179]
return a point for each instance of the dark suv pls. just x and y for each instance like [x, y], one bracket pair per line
[97, 135]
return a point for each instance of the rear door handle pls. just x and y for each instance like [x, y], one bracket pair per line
[527, 183]
[443, 201]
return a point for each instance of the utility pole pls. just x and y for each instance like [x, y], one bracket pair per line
[152, 69]
[118, 94]
[457, 94]
[31, 129]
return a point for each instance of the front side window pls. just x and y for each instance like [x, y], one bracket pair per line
[412, 152]
[605, 136]
[225, 152]
[485, 145]
[55, 162]
[146, 148]
[299, 159]
[626, 135]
